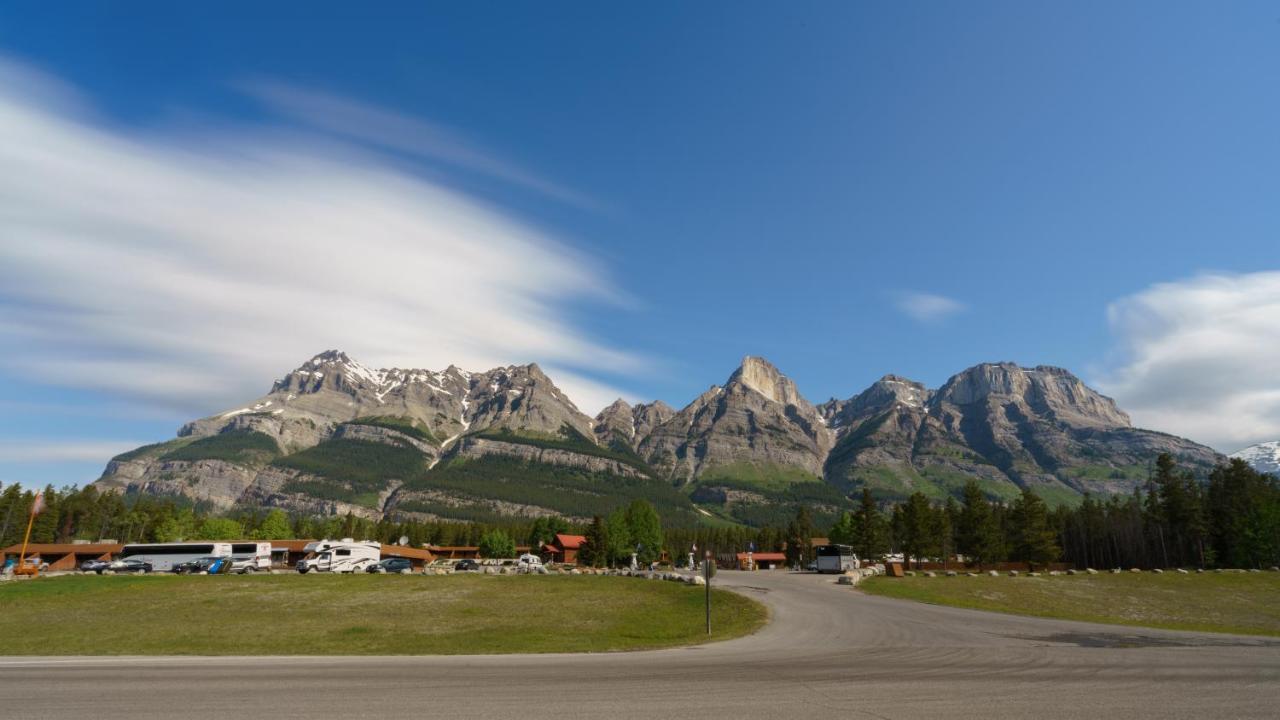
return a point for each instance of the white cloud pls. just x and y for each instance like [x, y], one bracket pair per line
[191, 271]
[1199, 358]
[45, 451]
[381, 128]
[927, 307]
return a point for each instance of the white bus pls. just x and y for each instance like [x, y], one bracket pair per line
[340, 556]
[835, 558]
[163, 556]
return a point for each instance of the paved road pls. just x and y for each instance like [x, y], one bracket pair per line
[830, 652]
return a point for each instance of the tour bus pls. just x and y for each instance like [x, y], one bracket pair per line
[339, 556]
[835, 558]
[163, 556]
[259, 551]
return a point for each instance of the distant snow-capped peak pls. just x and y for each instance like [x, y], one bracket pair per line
[1263, 457]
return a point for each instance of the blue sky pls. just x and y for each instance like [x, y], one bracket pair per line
[634, 198]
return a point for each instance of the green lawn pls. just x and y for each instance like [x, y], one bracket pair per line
[359, 615]
[1247, 603]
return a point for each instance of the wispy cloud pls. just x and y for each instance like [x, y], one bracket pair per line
[1198, 358]
[46, 451]
[378, 127]
[190, 271]
[927, 307]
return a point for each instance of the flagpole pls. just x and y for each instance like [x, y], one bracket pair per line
[22, 556]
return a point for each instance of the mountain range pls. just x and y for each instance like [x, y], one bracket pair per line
[334, 436]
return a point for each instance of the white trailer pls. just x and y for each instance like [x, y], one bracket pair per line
[339, 556]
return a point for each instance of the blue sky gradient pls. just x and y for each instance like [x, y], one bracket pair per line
[749, 178]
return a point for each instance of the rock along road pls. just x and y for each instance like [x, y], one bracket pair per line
[829, 651]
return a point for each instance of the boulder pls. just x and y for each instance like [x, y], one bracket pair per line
[910, 573]
[1033, 574]
[1182, 571]
[1158, 571]
[971, 574]
[1135, 570]
[846, 580]
[1115, 571]
[698, 580]
[1090, 571]
[952, 573]
[1072, 571]
[1013, 573]
[993, 573]
[1055, 573]
[930, 573]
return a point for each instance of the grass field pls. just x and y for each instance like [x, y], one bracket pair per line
[1247, 603]
[359, 615]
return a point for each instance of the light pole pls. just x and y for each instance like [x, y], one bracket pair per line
[706, 570]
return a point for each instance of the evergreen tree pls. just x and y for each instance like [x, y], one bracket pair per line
[918, 527]
[595, 551]
[1034, 540]
[800, 538]
[870, 537]
[544, 530]
[977, 533]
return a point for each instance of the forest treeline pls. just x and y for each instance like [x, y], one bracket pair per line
[1229, 519]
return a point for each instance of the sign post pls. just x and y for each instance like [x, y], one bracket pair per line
[751, 563]
[706, 571]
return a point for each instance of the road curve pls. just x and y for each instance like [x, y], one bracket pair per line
[830, 651]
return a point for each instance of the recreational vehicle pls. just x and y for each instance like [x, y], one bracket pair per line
[339, 556]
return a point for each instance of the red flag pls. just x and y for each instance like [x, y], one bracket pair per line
[38, 505]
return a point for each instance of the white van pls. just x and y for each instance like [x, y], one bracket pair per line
[339, 556]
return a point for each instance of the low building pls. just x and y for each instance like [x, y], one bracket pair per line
[761, 561]
[62, 556]
[564, 548]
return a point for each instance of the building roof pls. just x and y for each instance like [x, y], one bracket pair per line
[570, 542]
[769, 556]
[407, 552]
[63, 548]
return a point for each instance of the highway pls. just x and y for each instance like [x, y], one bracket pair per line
[829, 651]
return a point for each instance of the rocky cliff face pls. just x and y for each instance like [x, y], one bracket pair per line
[1007, 426]
[757, 419]
[627, 424]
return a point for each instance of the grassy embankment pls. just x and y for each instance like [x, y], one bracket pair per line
[1214, 602]
[359, 615]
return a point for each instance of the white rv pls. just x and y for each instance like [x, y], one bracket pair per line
[340, 556]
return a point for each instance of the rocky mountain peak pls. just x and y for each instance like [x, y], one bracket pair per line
[760, 375]
[1044, 389]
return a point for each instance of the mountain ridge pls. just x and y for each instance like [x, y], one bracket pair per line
[334, 435]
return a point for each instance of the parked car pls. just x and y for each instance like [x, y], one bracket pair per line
[466, 566]
[390, 565]
[130, 565]
[204, 565]
[243, 564]
[94, 566]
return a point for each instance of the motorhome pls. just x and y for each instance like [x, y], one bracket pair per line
[339, 556]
